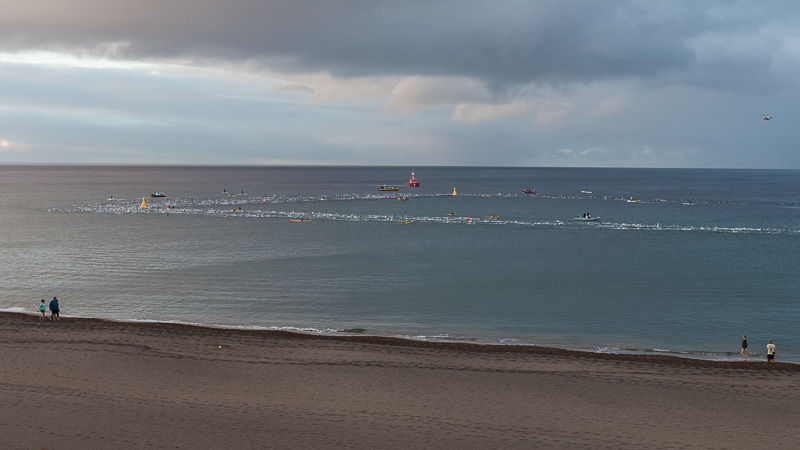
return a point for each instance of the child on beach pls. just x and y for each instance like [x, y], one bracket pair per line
[54, 309]
[42, 308]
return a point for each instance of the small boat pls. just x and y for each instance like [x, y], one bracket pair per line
[413, 181]
[528, 191]
[451, 214]
[388, 188]
[238, 209]
[586, 192]
[405, 222]
[587, 219]
[300, 220]
[158, 194]
[492, 217]
[403, 198]
[111, 198]
[632, 200]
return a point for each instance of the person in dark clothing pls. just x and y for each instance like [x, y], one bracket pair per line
[744, 346]
[54, 310]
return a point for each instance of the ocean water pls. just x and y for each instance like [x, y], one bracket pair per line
[699, 258]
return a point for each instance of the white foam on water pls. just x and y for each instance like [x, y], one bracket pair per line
[17, 309]
[218, 208]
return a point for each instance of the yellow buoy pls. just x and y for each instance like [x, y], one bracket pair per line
[144, 204]
[454, 191]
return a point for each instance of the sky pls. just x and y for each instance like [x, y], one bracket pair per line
[556, 83]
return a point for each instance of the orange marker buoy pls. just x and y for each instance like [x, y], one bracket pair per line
[144, 204]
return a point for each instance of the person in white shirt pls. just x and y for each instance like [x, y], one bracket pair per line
[770, 354]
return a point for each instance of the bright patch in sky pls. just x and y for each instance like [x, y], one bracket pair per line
[69, 60]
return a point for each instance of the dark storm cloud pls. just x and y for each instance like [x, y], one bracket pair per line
[502, 43]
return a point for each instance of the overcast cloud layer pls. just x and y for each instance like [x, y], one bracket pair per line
[554, 83]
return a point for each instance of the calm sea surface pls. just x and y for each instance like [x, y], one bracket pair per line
[696, 260]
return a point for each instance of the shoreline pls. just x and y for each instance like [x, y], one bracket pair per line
[397, 341]
[94, 383]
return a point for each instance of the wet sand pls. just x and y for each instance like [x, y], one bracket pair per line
[86, 383]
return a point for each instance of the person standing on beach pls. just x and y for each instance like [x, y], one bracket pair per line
[744, 346]
[54, 309]
[42, 309]
[770, 354]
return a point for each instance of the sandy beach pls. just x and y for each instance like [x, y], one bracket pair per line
[86, 383]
